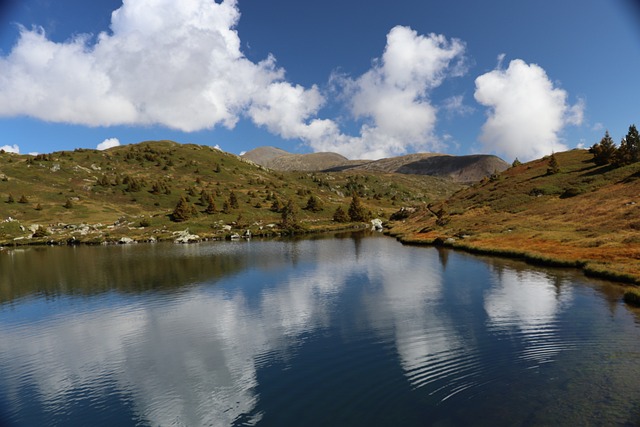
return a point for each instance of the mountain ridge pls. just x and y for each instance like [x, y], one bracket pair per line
[462, 169]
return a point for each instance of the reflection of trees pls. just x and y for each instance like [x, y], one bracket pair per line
[443, 255]
[89, 270]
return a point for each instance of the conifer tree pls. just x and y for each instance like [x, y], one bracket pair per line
[357, 212]
[313, 204]
[204, 198]
[629, 150]
[554, 167]
[211, 205]
[182, 211]
[10, 198]
[604, 151]
[289, 215]
[233, 200]
[23, 199]
[340, 215]
[633, 141]
[226, 206]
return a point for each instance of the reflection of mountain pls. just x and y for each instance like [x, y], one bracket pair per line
[527, 303]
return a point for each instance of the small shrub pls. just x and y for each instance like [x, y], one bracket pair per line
[40, 232]
[571, 192]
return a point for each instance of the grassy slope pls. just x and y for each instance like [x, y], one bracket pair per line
[586, 215]
[113, 212]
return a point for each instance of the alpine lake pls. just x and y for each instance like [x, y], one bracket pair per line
[351, 329]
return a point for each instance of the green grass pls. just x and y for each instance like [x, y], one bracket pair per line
[115, 189]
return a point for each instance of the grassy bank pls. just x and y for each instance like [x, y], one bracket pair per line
[585, 216]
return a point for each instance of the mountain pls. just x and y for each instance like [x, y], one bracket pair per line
[463, 169]
[277, 159]
[132, 191]
[585, 215]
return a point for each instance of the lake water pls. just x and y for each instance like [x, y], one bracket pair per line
[348, 330]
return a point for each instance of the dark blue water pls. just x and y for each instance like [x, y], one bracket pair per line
[350, 330]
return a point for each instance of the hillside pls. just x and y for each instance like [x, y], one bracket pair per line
[131, 191]
[463, 169]
[585, 215]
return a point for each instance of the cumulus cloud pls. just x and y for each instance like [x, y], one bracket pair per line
[526, 112]
[177, 64]
[11, 148]
[392, 98]
[108, 143]
[180, 65]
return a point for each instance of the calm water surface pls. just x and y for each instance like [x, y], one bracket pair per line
[344, 331]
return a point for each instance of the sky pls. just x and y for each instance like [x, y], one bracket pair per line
[364, 78]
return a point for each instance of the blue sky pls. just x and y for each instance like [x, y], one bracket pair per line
[368, 79]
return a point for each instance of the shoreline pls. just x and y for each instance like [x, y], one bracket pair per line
[588, 267]
[173, 237]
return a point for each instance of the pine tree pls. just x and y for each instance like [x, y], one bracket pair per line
[604, 151]
[211, 205]
[357, 212]
[313, 204]
[23, 199]
[226, 206]
[10, 199]
[204, 198]
[68, 204]
[516, 162]
[554, 167]
[289, 215]
[233, 200]
[629, 150]
[633, 140]
[182, 212]
[340, 215]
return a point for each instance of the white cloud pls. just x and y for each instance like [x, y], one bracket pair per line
[455, 105]
[108, 143]
[179, 64]
[11, 148]
[526, 112]
[176, 64]
[393, 96]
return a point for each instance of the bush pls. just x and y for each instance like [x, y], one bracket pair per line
[571, 192]
[40, 232]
